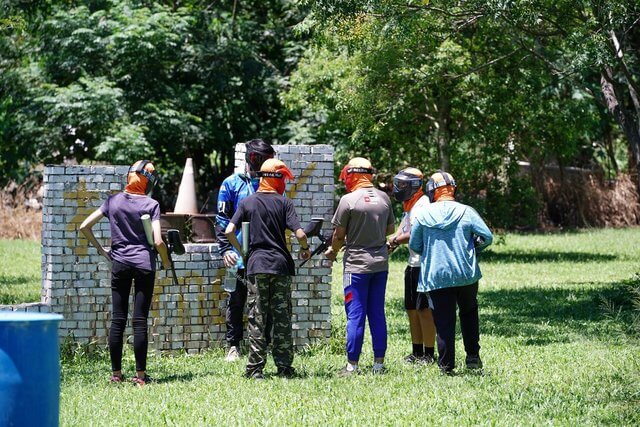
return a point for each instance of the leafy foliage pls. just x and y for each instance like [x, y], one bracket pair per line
[467, 86]
[114, 81]
[473, 87]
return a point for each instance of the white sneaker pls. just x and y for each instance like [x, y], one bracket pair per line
[349, 370]
[233, 354]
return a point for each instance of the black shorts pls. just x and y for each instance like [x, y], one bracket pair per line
[412, 301]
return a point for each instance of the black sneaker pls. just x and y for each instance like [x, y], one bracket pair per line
[287, 372]
[412, 358]
[256, 375]
[473, 362]
[427, 360]
[449, 372]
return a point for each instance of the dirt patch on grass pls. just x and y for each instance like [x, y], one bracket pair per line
[588, 201]
[21, 211]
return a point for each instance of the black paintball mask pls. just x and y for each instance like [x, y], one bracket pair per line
[405, 186]
[152, 177]
[257, 151]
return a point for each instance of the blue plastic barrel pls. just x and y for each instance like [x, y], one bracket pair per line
[29, 369]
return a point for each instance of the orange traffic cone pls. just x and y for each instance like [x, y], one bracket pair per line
[186, 202]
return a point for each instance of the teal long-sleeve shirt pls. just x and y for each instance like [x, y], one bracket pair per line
[443, 235]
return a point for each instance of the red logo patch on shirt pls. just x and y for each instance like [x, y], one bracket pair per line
[367, 199]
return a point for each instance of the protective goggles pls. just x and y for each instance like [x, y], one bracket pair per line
[280, 174]
[152, 177]
[405, 185]
[347, 170]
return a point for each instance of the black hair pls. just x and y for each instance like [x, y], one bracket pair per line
[260, 146]
[257, 151]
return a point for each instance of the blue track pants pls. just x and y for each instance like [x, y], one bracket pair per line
[364, 298]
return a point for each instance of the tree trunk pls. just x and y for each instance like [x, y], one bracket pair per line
[443, 135]
[608, 143]
[613, 100]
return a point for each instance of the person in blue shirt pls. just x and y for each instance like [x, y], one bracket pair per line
[447, 235]
[232, 191]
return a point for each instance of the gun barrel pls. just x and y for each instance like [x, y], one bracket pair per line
[175, 276]
[326, 241]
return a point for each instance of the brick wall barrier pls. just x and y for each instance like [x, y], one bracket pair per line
[190, 317]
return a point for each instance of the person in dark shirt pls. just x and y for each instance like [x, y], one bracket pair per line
[133, 260]
[269, 266]
[233, 189]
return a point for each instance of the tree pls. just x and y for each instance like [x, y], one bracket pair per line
[439, 85]
[115, 80]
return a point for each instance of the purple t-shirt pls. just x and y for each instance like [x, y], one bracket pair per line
[128, 242]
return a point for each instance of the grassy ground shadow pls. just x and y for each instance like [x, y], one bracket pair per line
[537, 316]
[543, 256]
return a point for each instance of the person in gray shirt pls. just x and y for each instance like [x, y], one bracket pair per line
[361, 223]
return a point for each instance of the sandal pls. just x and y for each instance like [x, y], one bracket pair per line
[116, 379]
[141, 381]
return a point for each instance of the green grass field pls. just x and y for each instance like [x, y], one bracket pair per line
[552, 355]
[20, 278]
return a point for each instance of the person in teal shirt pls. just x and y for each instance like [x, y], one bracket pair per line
[447, 235]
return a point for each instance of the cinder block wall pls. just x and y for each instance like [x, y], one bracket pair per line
[313, 195]
[190, 316]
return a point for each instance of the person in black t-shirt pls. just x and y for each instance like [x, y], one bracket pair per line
[269, 266]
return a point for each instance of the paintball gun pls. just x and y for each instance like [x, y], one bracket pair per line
[314, 228]
[174, 245]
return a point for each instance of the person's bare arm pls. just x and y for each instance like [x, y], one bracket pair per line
[402, 238]
[86, 228]
[161, 247]
[230, 232]
[397, 239]
[337, 242]
[305, 253]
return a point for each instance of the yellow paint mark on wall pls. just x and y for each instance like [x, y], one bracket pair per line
[293, 192]
[301, 180]
[84, 200]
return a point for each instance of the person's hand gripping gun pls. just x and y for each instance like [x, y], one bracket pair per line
[314, 228]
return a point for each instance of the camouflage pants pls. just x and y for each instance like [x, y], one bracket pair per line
[269, 294]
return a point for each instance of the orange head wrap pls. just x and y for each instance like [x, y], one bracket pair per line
[443, 192]
[408, 204]
[273, 174]
[136, 182]
[356, 174]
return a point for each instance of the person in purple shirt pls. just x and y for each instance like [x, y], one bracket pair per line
[133, 260]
